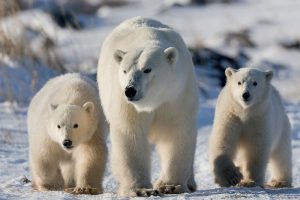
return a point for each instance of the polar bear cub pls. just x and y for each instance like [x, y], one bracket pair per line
[149, 91]
[250, 130]
[66, 136]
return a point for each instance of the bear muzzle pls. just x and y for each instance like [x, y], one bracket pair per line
[132, 93]
[246, 96]
[67, 144]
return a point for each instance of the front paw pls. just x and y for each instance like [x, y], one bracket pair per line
[170, 189]
[278, 184]
[229, 176]
[247, 183]
[82, 190]
[144, 192]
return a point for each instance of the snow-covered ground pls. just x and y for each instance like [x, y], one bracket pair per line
[269, 24]
[14, 163]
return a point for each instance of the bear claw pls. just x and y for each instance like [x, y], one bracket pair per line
[247, 183]
[230, 177]
[82, 190]
[278, 184]
[143, 192]
[170, 189]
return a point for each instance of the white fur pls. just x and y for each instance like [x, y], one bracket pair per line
[166, 109]
[247, 136]
[65, 101]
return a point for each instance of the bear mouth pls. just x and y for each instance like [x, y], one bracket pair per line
[247, 101]
[134, 99]
[69, 148]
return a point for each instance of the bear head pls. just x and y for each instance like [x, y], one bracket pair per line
[146, 75]
[70, 125]
[248, 86]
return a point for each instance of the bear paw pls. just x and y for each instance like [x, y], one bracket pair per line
[170, 189]
[82, 190]
[229, 177]
[144, 192]
[278, 184]
[247, 183]
[192, 186]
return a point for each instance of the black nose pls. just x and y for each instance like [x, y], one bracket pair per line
[246, 96]
[67, 143]
[130, 92]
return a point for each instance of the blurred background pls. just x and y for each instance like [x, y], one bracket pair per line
[43, 38]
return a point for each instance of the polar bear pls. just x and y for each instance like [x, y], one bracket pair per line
[250, 130]
[149, 93]
[66, 136]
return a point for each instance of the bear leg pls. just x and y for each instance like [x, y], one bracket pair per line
[46, 177]
[130, 161]
[255, 164]
[176, 157]
[89, 169]
[281, 164]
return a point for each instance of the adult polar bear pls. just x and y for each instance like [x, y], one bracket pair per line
[148, 90]
[252, 129]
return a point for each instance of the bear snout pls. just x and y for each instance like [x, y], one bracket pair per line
[246, 96]
[67, 143]
[130, 92]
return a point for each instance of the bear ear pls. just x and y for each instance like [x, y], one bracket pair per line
[229, 71]
[52, 107]
[269, 75]
[118, 55]
[88, 107]
[171, 54]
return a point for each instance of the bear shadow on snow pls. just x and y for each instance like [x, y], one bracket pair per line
[244, 192]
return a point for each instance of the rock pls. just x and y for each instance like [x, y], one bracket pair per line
[216, 61]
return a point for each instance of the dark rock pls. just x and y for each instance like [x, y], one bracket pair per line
[66, 19]
[24, 180]
[63, 17]
[213, 60]
[202, 2]
[295, 44]
[240, 38]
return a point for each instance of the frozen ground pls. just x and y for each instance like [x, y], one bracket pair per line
[270, 22]
[14, 163]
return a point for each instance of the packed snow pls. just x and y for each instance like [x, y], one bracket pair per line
[268, 23]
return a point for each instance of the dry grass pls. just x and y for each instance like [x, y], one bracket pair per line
[17, 48]
[13, 48]
[7, 45]
[8, 7]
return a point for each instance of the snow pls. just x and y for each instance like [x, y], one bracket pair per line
[270, 22]
[14, 163]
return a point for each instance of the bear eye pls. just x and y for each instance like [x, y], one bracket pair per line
[239, 83]
[58, 126]
[255, 83]
[75, 126]
[124, 72]
[146, 71]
